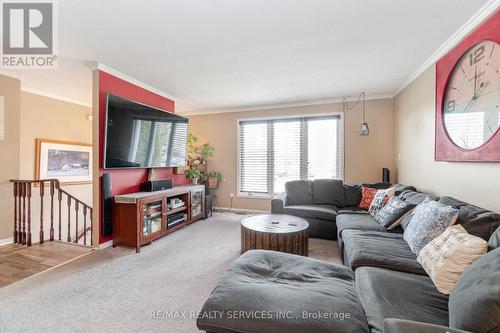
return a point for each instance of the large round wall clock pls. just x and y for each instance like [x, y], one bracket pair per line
[472, 96]
[468, 98]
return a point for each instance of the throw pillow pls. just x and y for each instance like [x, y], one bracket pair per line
[429, 220]
[367, 195]
[380, 199]
[392, 213]
[448, 255]
[406, 219]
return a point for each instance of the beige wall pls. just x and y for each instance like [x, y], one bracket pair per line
[9, 152]
[364, 156]
[30, 116]
[48, 118]
[477, 183]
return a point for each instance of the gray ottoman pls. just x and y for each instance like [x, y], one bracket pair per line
[267, 291]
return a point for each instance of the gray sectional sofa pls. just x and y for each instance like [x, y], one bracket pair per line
[321, 201]
[381, 285]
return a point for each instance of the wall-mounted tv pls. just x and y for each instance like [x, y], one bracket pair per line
[141, 136]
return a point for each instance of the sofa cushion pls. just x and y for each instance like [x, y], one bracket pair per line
[400, 188]
[414, 197]
[494, 241]
[391, 294]
[357, 222]
[352, 210]
[352, 195]
[269, 283]
[325, 212]
[476, 220]
[379, 249]
[328, 192]
[298, 192]
[475, 303]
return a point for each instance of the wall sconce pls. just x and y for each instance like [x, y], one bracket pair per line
[364, 130]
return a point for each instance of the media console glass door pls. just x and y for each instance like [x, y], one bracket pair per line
[153, 219]
[196, 203]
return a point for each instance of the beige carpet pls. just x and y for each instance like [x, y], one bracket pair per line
[116, 290]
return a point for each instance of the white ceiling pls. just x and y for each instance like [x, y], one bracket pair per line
[221, 54]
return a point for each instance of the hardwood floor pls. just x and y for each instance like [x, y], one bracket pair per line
[18, 262]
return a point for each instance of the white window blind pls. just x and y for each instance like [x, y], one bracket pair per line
[275, 151]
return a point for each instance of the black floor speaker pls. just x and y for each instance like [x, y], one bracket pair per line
[386, 178]
[106, 204]
[209, 208]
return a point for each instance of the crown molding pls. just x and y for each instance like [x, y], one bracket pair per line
[480, 16]
[94, 65]
[54, 96]
[281, 106]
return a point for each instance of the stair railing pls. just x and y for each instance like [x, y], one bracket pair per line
[23, 213]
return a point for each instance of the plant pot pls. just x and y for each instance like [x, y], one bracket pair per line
[212, 182]
[194, 181]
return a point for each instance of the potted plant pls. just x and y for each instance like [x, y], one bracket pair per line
[193, 174]
[197, 154]
[213, 178]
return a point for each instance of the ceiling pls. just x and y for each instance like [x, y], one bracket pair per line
[225, 54]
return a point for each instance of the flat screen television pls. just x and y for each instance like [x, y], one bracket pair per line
[141, 136]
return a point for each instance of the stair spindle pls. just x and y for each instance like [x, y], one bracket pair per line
[52, 210]
[19, 215]
[24, 214]
[68, 239]
[59, 198]
[42, 192]
[84, 225]
[14, 235]
[28, 241]
[76, 221]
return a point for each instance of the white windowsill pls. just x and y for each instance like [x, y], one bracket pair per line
[254, 196]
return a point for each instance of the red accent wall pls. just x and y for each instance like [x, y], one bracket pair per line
[127, 181]
[445, 149]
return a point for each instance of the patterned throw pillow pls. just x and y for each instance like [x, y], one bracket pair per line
[429, 220]
[392, 213]
[367, 195]
[447, 256]
[379, 201]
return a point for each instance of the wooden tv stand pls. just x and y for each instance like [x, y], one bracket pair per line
[139, 218]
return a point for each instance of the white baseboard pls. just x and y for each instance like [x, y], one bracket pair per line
[6, 241]
[105, 245]
[236, 210]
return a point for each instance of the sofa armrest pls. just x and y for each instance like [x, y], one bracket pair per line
[393, 325]
[278, 202]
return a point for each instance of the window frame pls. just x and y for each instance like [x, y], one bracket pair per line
[249, 195]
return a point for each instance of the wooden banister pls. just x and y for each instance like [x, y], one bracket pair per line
[22, 191]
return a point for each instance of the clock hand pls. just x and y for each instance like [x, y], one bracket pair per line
[475, 82]
[468, 105]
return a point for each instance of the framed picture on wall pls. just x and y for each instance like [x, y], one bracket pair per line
[69, 162]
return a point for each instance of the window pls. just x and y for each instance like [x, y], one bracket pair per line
[275, 151]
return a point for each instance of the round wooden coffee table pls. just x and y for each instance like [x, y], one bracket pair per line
[285, 233]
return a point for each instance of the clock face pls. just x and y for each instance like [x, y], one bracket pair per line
[472, 98]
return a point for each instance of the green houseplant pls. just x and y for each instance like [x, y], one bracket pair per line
[193, 174]
[213, 178]
[197, 154]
